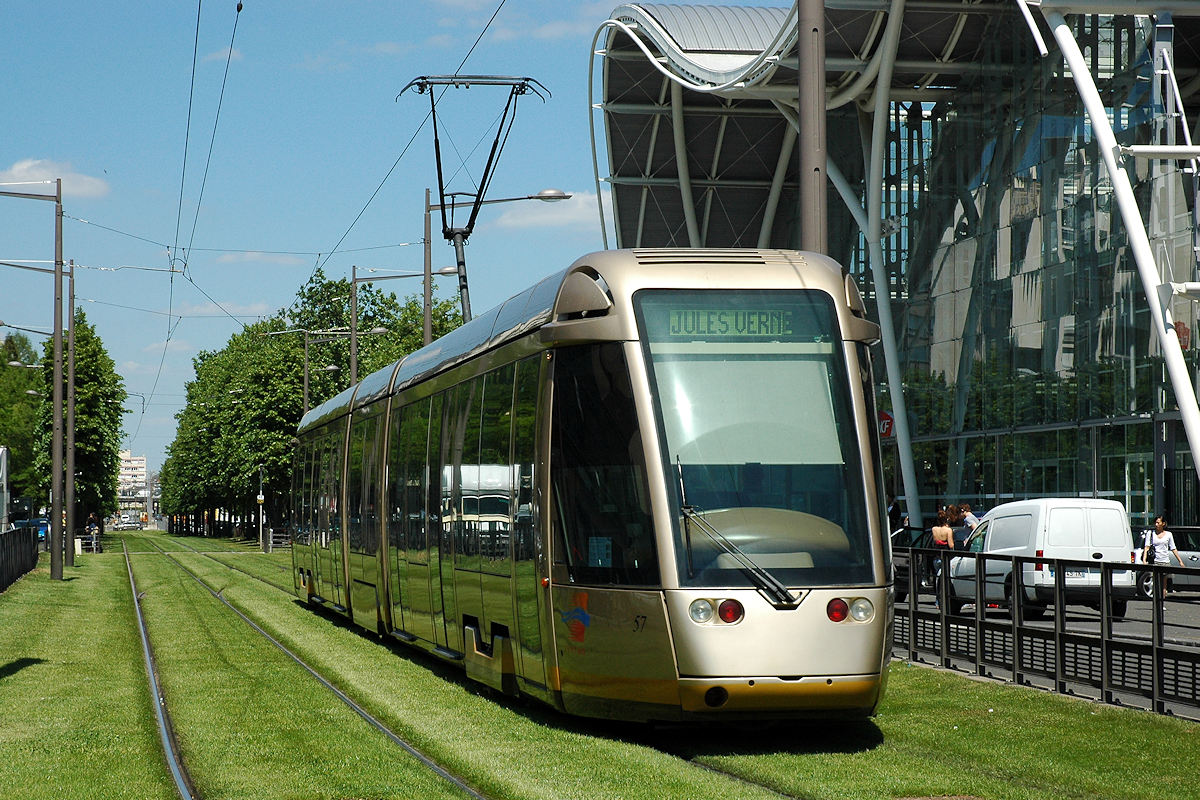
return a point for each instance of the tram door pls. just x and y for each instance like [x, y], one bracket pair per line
[447, 628]
[329, 568]
[420, 510]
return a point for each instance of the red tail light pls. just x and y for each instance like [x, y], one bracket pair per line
[1039, 554]
[730, 611]
[837, 610]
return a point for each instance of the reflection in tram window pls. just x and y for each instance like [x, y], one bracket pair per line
[756, 415]
[602, 516]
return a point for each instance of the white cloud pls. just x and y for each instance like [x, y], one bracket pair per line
[578, 212]
[222, 54]
[74, 184]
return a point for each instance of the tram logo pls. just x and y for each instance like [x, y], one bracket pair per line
[577, 619]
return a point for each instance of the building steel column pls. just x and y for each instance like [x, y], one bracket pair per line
[883, 293]
[781, 167]
[681, 163]
[810, 53]
[1139, 241]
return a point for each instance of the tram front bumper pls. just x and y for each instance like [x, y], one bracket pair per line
[816, 694]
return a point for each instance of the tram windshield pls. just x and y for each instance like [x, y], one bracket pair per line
[756, 421]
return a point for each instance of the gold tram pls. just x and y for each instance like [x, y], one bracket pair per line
[647, 488]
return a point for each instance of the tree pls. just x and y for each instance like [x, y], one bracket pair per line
[18, 415]
[246, 401]
[99, 397]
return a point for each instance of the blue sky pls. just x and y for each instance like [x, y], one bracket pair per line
[309, 126]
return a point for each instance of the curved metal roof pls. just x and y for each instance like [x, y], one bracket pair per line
[727, 78]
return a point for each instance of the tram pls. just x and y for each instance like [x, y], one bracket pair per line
[647, 488]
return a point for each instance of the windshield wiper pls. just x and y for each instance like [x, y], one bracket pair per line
[764, 580]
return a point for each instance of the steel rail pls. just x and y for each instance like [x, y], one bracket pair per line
[166, 732]
[362, 712]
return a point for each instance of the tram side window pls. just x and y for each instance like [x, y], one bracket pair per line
[308, 462]
[354, 486]
[495, 474]
[410, 432]
[433, 475]
[597, 470]
[466, 467]
[332, 484]
[524, 455]
[368, 504]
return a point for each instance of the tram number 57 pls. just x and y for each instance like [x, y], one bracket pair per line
[639, 623]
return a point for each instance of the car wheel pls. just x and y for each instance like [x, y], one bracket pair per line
[1145, 585]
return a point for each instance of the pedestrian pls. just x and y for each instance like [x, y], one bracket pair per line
[942, 540]
[969, 518]
[894, 514]
[1160, 545]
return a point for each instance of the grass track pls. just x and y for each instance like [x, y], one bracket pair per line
[76, 718]
[938, 735]
[251, 723]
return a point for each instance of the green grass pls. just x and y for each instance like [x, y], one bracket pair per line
[251, 723]
[75, 714]
[255, 725]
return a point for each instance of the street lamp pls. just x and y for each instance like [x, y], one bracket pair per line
[355, 281]
[56, 454]
[330, 335]
[458, 235]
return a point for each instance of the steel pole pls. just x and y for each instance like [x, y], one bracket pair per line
[306, 372]
[810, 51]
[1139, 241]
[428, 316]
[56, 444]
[353, 324]
[459, 237]
[70, 470]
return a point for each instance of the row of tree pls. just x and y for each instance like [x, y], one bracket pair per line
[237, 429]
[26, 420]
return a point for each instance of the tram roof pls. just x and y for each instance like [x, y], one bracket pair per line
[740, 64]
[510, 319]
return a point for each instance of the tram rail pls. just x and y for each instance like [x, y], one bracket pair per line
[162, 717]
[366, 716]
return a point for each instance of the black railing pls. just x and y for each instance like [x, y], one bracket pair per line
[18, 554]
[1141, 651]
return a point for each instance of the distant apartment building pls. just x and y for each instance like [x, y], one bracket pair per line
[131, 481]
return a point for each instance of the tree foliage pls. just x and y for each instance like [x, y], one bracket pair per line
[246, 400]
[18, 414]
[99, 398]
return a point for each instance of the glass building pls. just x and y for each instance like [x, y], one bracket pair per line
[1025, 342]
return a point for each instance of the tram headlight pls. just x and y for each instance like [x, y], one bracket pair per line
[701, 611]
[861, 610]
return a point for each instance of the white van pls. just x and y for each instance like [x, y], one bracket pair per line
[1080, 529]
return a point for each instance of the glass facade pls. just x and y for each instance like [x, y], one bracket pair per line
[1029, 359]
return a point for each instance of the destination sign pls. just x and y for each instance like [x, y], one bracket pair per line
[714, 323]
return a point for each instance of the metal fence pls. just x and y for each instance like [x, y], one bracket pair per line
[1142, 652]
[18, 554]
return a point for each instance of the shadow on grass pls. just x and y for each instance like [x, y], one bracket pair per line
[13, 667]
[683, 740]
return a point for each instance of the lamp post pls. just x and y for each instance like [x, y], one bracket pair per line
[355, 281]
[458, 235]
[56, 454]
[330, 335]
